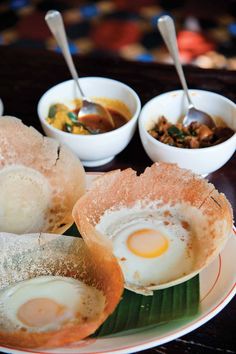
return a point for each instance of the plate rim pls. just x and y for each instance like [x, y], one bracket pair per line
[186, 328]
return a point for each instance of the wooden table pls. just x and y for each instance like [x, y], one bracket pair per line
[26, 74]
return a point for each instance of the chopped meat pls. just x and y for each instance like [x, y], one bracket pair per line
[194, 136]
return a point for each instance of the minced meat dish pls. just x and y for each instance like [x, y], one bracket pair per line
[193, 136]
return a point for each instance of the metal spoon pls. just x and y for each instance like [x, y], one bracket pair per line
[91, 114]
[167, 29]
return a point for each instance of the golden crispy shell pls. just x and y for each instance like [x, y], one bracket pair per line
[32, 255]
[206, 210]
[52, 167]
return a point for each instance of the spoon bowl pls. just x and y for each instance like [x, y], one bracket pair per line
[167, 29]
[195, 115]
[94, 115]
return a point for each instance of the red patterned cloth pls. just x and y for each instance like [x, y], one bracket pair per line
[127, 28]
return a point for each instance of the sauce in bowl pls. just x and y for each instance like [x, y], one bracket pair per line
[65, 117]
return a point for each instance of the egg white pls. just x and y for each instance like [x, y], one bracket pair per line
[139, 271]
[25, 196]
[80, 300]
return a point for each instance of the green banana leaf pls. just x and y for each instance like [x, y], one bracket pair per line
[137, 311]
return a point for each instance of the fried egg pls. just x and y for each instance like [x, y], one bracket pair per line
[25, 197]
[46, 303]
[40, 180]
[153, 245]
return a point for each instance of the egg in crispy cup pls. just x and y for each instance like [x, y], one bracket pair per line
[165, 225]
[55, 290]
[40, 180]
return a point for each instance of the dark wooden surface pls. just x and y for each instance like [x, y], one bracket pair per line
[25, 75]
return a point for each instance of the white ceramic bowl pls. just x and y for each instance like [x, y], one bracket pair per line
[1, 108]
[93, 150]
[173, 105]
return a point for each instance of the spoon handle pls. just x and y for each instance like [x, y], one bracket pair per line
[55, 23]
[167, 29]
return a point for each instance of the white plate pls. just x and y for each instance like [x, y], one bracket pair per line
[217, 288]
[1, 107]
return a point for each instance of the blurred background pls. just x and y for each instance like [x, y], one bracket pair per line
[127, 28]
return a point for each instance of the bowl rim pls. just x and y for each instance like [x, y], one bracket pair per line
[142, 120]
[80, 136]
[1, 107]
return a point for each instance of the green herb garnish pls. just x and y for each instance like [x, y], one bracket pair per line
[68, 128]
[73, 117]
[175, 132]
[52, 111]
[193, 133]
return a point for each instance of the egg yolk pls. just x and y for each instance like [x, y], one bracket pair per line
[40, 312]
[147, 243]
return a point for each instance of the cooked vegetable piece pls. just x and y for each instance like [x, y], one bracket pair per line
[52, 111]
[73, 117]
[175, 132]
[68, 128]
